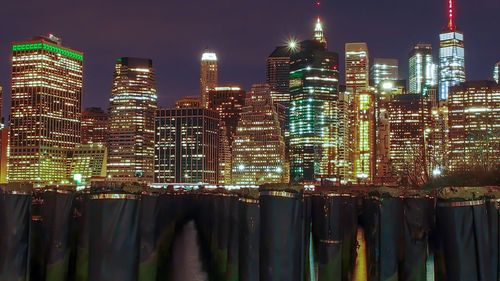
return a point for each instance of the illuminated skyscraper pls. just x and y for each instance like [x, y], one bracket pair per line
[357, 65]
[132, 110]
[422, 69]
[277, 71]
[228, 102]
[344, 136]
[474, 118]
[208, 75]
[94, 126]
[384, 70]
[451, 55]
[45, 114]
[314, 81]
[409, 118]
[259, 146]
[363, 127]
[496, 73]
[186, 145]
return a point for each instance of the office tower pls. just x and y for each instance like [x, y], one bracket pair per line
[186, 145]
[496, 73]
[208, 74]
[259, 146]
[474, 134]
[356, 67]
[88, 162]
[422, 69]
[4, 155]
[314, 81]
[228, 102]
[451, 55]
[363, 134]
[45, 110]
[384, 70]
[188, 102]
[344, 136]
[132, 110]
[409, 118]
[94, 126]
[277, 72]
[384, 93]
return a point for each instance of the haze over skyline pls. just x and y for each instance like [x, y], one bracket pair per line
[174, 33]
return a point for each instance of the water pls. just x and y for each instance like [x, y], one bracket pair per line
[187, 264]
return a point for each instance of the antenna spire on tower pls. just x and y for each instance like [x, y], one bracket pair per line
[451, 15]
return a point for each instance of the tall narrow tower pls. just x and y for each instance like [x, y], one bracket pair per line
[208, 75]
[357, 67]
[132, 121]
[422, 69]
[451, 54]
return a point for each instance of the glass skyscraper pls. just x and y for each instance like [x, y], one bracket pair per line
[451, 55]
[384, 70]
[314, 83]
[422, 69]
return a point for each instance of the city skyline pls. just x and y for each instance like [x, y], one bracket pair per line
[177, 64]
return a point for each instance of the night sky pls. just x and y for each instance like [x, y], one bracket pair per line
[174, 33]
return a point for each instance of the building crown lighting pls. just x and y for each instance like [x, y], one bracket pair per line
[209, 56]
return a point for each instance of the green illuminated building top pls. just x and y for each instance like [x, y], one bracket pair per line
[45, 44]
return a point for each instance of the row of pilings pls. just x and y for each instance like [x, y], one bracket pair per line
[274, 233]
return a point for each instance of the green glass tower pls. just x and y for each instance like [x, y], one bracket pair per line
[314, 79]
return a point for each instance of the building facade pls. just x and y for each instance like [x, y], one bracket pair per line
[88, 161]
[228, 102]
[209, 73]
[451, 55]
[357, 65]
[94, 126]
[187, 145]
[409, 119]
[45, 112]
[363, 136]
[132, 111]
[314, 82]
[474, 126]
[384, 70]
[259, 146]
[277, 71]
[422, 69]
